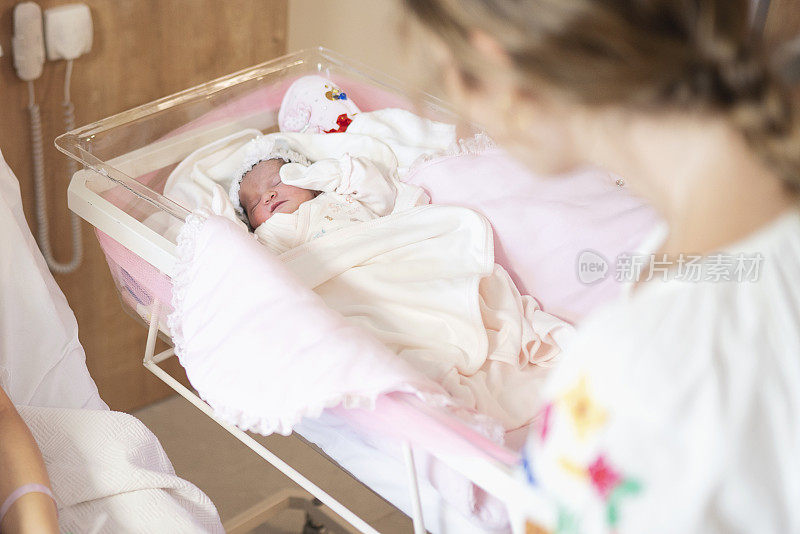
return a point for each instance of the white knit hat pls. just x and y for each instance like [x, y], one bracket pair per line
[257, 150]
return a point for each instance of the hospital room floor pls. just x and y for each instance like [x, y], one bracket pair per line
[235, 478]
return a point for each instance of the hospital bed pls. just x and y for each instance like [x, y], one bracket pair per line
[127, 159]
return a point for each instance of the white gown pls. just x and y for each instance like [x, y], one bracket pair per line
[41, 360]
[678, 407]
[108, 472]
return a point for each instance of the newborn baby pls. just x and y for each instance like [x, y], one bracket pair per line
[288, 201]
[262, 193]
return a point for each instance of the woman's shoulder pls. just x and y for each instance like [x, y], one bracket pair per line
[697, 327]
[680, 339]
[749, 293]
[685, 393]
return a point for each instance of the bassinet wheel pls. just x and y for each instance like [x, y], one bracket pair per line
[312, 527]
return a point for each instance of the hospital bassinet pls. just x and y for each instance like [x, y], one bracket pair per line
[127, 160]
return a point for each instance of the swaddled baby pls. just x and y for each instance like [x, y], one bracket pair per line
[288, 201]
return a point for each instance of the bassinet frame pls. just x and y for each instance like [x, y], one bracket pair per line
[492, 469]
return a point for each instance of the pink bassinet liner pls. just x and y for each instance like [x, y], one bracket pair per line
[140, 282]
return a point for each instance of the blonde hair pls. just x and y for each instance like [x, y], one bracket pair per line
[699, 55]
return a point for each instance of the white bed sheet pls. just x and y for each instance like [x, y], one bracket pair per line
[380, 466]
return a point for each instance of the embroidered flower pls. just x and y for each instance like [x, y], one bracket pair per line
[626, 487]
[567, 522]
[572, 468]
[587, 416]
[527, 468]
[603, 476]
[543, 421]
[610, 485]
[535, 528]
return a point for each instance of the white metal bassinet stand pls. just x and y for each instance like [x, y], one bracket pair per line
[494, 477]
[252, 519]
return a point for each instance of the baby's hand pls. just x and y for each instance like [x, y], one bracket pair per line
[323, 175]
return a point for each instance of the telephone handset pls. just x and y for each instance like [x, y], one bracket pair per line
[28, 41]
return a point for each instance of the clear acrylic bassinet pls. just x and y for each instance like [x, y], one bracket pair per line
[129, 156]
[127, 159]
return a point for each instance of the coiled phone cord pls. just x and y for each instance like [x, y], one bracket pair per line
[39, 189]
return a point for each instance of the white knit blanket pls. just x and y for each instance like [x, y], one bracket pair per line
[110, 475]
[409, 302]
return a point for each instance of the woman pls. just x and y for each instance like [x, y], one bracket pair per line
[106, 470]
[678, 408]
[26, 501]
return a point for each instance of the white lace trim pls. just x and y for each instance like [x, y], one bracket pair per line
[284, 424]
[187, 238]
[477, 144]
[261, 149]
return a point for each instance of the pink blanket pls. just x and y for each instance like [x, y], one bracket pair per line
[264, 351]
[324, 360]
[542, 224]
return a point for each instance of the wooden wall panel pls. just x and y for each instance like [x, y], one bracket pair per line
[143, 50]
[783, 21]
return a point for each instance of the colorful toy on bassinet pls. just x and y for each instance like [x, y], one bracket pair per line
[314, 104]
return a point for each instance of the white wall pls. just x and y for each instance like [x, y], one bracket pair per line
[366, 30]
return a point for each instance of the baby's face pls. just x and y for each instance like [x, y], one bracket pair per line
[262, 194]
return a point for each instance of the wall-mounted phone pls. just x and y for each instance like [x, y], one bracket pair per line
[759, 9]
[66, 32]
